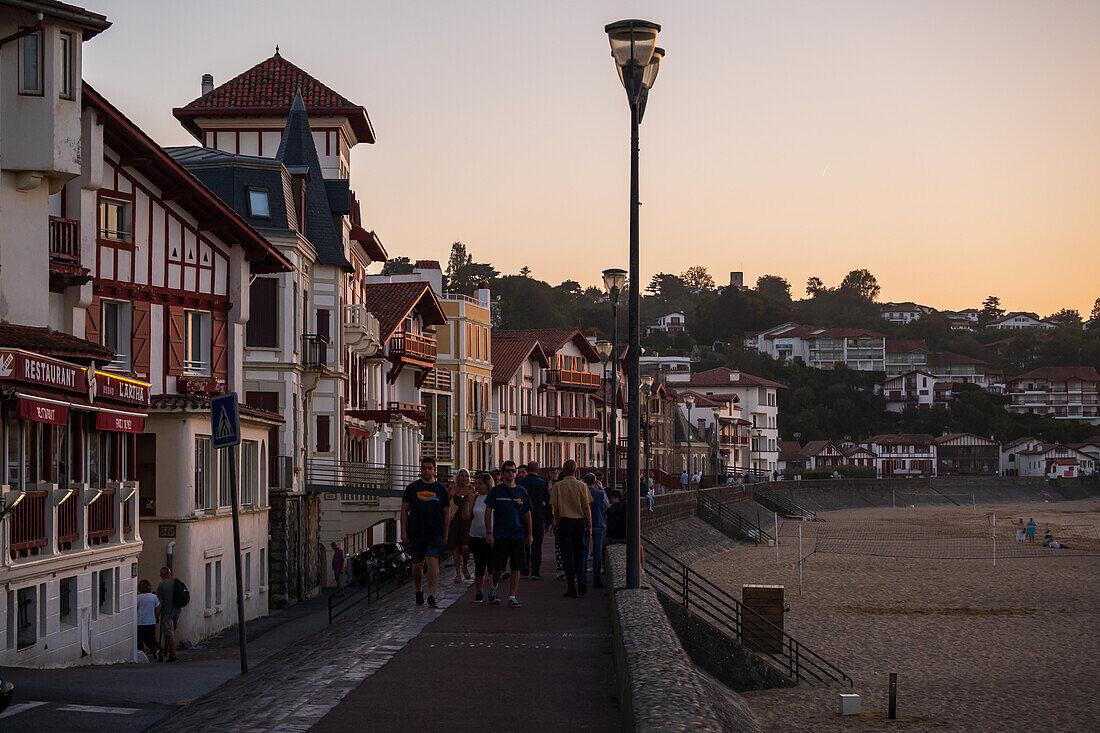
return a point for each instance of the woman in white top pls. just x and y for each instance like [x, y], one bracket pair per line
[479, 548]
[148, 612]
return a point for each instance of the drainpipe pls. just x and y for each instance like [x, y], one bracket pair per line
[171, 550]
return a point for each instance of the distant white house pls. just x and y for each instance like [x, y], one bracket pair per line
[903, 313]
[915, 389]
[1020, 320]
[668, 323]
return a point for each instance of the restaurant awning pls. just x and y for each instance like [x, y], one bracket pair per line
[42, 409]
[120, 422]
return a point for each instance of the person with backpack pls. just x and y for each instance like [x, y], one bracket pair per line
[174, 596]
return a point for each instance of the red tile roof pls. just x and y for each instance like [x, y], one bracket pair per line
[945, 358]
[391, 303]
[901, 439]
[553, 339]
[904, 346]
[370, 243]
[510, 353]
[1061, 374]
[268, 88]
[814, 447]
[722, 377]
[702, 400]
[955, 436]
[847, 333]
[789, 450]
[797, 331]
[52, 343]
[201, 403]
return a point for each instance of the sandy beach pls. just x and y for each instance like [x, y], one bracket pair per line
[977, 647]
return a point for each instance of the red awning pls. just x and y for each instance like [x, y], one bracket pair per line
[119, 422]
[51, 412]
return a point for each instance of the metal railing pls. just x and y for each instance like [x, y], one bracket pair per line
[711, 510]
[369, 588]
[782, 505]
[314, 351]
[729, 616]
[387, 480]
[64, 239]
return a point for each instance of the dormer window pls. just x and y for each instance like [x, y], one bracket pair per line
[257, 203]
[30, 63]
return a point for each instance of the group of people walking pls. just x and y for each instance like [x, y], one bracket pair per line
[499, 519]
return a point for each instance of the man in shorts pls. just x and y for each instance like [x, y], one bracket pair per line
[169, 614]
[508, 530]
[424, 513]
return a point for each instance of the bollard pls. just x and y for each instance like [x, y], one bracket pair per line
[893, 696]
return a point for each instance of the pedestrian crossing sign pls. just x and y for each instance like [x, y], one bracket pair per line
[225, 420]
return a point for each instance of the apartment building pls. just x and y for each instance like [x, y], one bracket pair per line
[905, 355]
[1064, 393]
[902, 313]
[1021, 320]
[855, 348]
[966, 454]
[901, 455]
[525, 425]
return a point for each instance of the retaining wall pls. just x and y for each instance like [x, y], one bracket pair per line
[657, 686]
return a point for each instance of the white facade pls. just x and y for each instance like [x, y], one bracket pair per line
[668, 323]
[1064, 393]
[1019, 320]
[902, 313]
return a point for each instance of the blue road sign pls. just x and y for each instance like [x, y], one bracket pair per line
[225, 420]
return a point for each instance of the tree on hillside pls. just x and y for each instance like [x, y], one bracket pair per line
[463, 274]
[774, 287]
[697, 278]
[1067, 317]
[459, 258]
[397, 266]
[862, 283]
[1095, 310]
[572, 287]
[525, 271]
[669, 288]
[991, 309]
[814, 285]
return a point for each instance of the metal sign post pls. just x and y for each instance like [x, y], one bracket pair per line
[225, 424]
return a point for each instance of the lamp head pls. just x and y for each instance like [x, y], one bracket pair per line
[614, 280]
[603, 348]
[633, 43]
[689, 400]
[647, 382]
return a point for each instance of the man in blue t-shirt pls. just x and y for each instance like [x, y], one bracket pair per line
[599, 506]
[424, 510]
[508, 530]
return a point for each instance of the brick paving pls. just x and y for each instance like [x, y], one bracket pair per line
[293, 689]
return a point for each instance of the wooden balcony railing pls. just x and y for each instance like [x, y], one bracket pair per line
[64, 239]
[101, 518]
[575, 380]
[440, 450]
[127, 513]
[414, 410]
[413, 347]
[537, 423]
[579, 424]
[440, 379]
[28, 524]
[68, 528]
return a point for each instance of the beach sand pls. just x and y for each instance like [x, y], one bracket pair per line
[976, 647]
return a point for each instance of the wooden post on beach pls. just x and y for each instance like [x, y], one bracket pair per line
[893, 696]
[994, 539]
[776, 516]
[893, 498]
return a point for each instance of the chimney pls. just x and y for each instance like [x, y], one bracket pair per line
[737, 279]
[207, 83]
[483, 293]
[735, 375]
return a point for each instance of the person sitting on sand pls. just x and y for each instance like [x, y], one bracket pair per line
[1047, 536]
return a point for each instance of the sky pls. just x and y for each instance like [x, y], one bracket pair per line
[951, 147]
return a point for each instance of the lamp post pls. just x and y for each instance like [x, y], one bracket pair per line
[603, 348]
[689, 400]
[637, 58]
[614, 280]
[717, 412]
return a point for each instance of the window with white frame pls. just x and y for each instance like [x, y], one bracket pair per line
[65, 60]
[263, 569]
[115, 220]
[225, 492]
[247, 569]
[30, 63]
[115, 331]
[197, 342]
[202, 473]
[250, 461]
[208, 597]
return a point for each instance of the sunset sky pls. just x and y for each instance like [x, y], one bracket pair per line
[952, 147]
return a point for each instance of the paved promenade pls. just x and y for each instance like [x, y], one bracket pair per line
[393, 666]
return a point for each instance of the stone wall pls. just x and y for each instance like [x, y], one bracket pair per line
[657, 686]
[668, 508]
[297, 556]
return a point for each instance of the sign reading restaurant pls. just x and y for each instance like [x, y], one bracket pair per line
[23, 366]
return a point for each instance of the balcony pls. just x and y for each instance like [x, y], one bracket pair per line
[28, 524]
[64, 240]
[413, 347]
[440, 450]
[573, 380]
[559, 424]
[361, 331]
[486, 421]
[578, 424]
[538, 423]
[101, 518]
[68, 530]
[412, 410]
[314, 353]
[438, 379]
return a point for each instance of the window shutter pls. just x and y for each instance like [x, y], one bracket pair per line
[323, 443]
[140, 337]
[323, 323]
[261, 329]
[91, 321]
[219, 349]
[176, 325]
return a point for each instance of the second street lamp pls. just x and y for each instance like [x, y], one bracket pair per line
[614, 280]
[637, 59]
[603, 348]
[689, 400]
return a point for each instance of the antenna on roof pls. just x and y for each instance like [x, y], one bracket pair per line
[276, 49]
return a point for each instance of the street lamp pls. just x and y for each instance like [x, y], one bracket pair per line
[614, 280]
[689, 400]
[603, 348]
[717, 412]
[637, 58]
